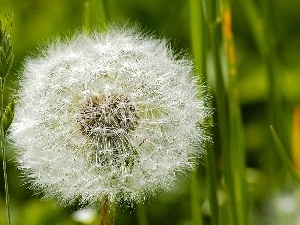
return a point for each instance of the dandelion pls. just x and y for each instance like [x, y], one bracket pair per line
[113, 115]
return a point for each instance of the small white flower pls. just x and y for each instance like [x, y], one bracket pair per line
[112, 114]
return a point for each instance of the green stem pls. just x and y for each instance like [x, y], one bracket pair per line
[101, 13]
[199, 52]
[3, 153]
[94, 11]
[237, 149]
[142, 215]
[197, 37]
[214, 33]
[86, 17]
[262, 22]
[229, 116]
[277, 105]
[288, 165]
[212, 186]
[256, 23]
[195, 200]
[107, 212]
[238, 168]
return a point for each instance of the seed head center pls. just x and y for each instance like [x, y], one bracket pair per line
[107, 116]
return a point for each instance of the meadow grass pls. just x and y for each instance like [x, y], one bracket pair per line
[226, 169]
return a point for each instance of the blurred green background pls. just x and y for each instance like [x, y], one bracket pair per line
[36, 21]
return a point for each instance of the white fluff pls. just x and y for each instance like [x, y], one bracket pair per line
[59, 160]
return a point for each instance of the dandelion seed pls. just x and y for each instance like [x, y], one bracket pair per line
[112, 115]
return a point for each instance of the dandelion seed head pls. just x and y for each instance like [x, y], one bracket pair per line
[107, 116]
[112, 114]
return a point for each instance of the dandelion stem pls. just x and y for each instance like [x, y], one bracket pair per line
[107, 212]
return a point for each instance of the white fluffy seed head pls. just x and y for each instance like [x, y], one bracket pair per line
[111, 114]
[107, 116]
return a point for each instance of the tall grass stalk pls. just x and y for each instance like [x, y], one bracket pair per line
[86, 17]
[214, 35]
[142, 215]
[277, 109]
[286, 161]
[6, 59]
[288, 167]
[262, 22]
[236, 137]
[101, 13]
[256, 23]
[196, 193]
[228, 110]
[4, 154]
[197, 36]
[295, 138]
[94, 13]
[212, 185]
[198, 40]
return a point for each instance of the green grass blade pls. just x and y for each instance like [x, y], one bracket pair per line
[196, 200]
[287, 163]
[6, 59]
[86, 17]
